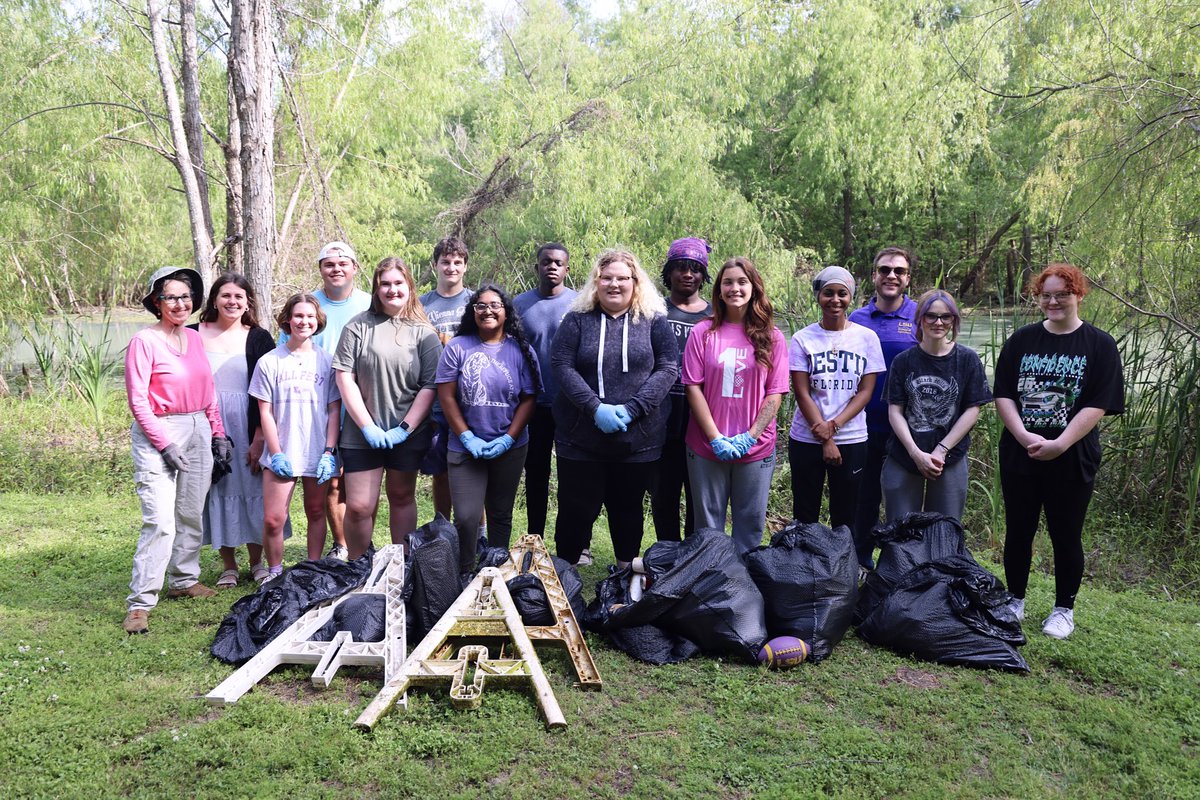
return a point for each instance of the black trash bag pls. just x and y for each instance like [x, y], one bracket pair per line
[258, 618]
[647, 643]
[707, 597]
[492, 557]
[949, 611]
[431, 579]
[530, 598]
[912, 540]
[808, 577]
[363, 615]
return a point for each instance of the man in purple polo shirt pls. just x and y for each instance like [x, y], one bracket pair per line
[892, 315]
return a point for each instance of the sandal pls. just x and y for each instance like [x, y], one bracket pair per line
[260, 574]
[228, 579]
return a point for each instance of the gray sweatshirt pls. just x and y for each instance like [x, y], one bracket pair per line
[601, 359]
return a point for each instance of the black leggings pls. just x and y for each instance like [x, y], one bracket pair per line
[1066, 504]
[586, 486]
[537, 469]
[809, 471]
[671, 480]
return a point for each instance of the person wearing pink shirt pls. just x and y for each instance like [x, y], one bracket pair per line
[176, 432]
[735, 375]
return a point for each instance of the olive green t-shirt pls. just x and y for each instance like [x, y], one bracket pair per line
[392, 359]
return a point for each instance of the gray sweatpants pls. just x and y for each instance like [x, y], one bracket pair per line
[742, 488]
[479, 483]
[905, 491]
[172, 508]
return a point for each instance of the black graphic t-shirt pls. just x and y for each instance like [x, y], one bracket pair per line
[1051, 377]
[935, 391]
[675, 408]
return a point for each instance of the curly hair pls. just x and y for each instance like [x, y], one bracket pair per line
[759, 321]
[283, 320]
[210, 313]
[469, 326]
[413, 311]
[647, 302]
[1071, 275]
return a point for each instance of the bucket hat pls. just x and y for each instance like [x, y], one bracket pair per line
[162, 274]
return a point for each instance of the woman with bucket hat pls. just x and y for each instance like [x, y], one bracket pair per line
[176, 429]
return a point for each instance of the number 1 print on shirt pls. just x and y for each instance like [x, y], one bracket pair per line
[733, 364]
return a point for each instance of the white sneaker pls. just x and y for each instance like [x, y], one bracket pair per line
[585, 557]
[1017, 607]
[1060, 623]
[339, 552]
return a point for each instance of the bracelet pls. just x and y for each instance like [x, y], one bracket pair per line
[941, 445]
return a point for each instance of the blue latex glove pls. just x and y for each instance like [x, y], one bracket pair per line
[742, 443]
[475, 446]
[723, 448]
[498, 447]
[396, 435]
[281, 466]
[607, 420]
[375, 436]
[624, 415]
[326, 467]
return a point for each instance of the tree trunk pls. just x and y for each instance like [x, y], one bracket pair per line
[847, 226]
[201, 238]
[970, 282]
[1011, 270]
[193, 128]
[233, 188]
[252, 65]
[1026, 257]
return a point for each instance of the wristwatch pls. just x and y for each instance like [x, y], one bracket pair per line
[331, 450]
[404, 425]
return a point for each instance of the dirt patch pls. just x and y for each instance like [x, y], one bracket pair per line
[916, 678]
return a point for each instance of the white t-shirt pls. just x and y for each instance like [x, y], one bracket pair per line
[835, 362]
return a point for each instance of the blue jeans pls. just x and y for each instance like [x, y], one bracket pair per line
[743, 488]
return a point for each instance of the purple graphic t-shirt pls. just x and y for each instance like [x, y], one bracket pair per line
[491, 379]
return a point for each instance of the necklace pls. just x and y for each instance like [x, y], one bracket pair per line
[833, 339]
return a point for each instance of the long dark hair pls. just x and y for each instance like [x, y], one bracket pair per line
[759, 321]
[467, 326]
[210, 313]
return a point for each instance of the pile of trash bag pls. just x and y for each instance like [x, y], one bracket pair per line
[256, 619]
[929, 598]
[698, 598]
[808, 577]
[431, 579]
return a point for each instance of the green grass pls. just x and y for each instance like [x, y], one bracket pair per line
[89, 712]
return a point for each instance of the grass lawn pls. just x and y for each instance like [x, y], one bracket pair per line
[87, 711]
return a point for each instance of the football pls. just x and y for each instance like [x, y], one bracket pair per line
[783, 651]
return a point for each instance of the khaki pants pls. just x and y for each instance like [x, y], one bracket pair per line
[172, 508]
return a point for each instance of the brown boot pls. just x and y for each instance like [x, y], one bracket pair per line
[137, 621]
[195, 590]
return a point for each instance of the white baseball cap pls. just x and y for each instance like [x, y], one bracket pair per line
[336, 249]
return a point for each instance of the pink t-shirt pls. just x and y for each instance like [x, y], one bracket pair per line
[735, 385]
[835, 362]
[160, 381]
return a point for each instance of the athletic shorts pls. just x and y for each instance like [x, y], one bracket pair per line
[405, 457]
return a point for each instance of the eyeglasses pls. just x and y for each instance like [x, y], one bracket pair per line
[615, 280]
[885, 270]
[1058, 297]
[175, 298]
[945, 319]
[481, 307]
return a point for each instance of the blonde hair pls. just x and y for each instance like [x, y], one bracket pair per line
[646, 302]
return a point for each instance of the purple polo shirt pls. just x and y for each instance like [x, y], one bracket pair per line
[897, 331]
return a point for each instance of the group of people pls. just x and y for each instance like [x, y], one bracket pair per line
[628, 391]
